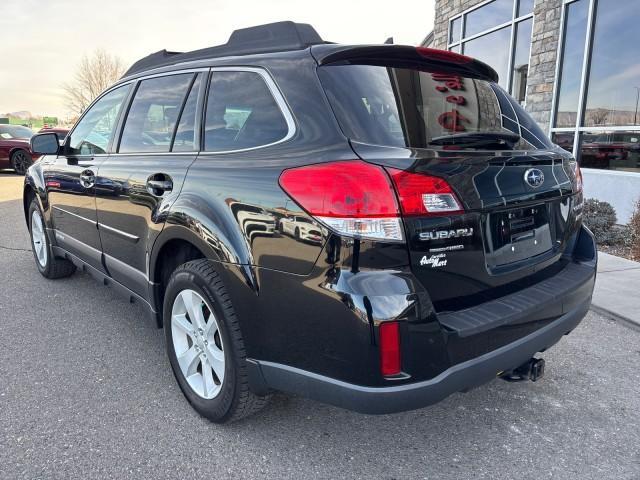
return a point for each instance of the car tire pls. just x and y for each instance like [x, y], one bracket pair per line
[20, 161]
[48, 265]
[229, 398]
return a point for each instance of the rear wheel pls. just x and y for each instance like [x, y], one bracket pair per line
[20, 161]
[205, 345]
[48, 265]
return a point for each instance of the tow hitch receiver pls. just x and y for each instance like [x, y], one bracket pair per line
[533, 370]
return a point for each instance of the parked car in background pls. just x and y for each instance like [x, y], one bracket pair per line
[253, 219]
[62, 132]
[452, 246]
[302, 228]
[15, 151]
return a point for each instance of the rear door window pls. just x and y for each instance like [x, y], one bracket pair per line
[153, 114]
[406, 107]
[241, 113]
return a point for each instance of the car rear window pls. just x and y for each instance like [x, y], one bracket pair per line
[405, 107]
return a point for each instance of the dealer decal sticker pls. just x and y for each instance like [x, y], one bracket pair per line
[439, 260]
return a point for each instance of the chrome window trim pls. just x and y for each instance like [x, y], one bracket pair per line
[275, 93]
[271, 85]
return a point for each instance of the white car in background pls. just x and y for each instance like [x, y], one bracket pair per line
[253, 219]
[301, 228]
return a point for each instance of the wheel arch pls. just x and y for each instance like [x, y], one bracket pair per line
[34, 188]
[178, 244]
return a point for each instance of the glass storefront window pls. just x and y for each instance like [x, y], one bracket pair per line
[614, 76]
[493, 49]
[525, 7]
[521, 60]
[571, 67]
[617, 150]
[455, 30]
[564, 140]
[488, 16]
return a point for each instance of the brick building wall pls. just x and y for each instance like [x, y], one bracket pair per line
[544, 50]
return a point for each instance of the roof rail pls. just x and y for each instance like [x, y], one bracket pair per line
[271, 37]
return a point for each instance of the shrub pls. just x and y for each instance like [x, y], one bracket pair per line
[600, 217]
[634, 232]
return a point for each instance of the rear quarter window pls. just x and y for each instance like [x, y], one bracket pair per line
[241, 113]
[406, 107]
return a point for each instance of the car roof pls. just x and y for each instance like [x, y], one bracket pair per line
[268, 38]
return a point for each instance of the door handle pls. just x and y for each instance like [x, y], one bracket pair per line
[159, 187]
[87, 178]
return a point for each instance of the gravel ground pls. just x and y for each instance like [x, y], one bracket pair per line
[86, 392]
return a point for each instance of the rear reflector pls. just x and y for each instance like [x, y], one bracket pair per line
[390, 361]
[423, 194]
[351, 197]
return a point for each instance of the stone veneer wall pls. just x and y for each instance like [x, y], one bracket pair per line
[544, 50]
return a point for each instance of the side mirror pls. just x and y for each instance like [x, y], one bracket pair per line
[45, 143]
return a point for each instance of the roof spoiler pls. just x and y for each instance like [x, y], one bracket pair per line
[413, 56]
[271, 37]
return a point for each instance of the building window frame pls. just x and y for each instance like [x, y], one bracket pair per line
[578, 129]
[515, 20]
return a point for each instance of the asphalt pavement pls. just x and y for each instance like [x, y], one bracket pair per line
[86, 392]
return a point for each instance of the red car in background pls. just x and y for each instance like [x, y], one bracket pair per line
[15, 151]
[62, 132]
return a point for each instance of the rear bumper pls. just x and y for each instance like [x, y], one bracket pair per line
[564, 301]
[460, 377]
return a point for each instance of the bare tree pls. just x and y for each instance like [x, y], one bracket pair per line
[598, 116]
[95, 73]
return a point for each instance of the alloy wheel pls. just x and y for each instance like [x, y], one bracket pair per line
[20, 162]
[197, 344]
[38, 238]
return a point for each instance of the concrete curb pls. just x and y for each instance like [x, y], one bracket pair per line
[627, 322]
[615, 295]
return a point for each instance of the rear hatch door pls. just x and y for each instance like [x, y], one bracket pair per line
[517, 190]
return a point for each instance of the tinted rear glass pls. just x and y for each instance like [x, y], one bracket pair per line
[408, 108]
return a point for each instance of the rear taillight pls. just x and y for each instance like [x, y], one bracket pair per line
[353, 198]
[423, 194]
[390, 359]
[578, 178]
[357, 199]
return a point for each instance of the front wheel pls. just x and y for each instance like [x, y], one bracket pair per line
[48, 265]
[20, 161]
[205, 345]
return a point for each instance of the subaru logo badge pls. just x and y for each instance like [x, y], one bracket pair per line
[534, 177]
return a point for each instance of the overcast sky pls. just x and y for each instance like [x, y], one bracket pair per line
[41, 41]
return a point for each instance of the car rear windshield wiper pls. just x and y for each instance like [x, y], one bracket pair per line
[499, 140]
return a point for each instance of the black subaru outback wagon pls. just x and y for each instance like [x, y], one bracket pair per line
[375, 226]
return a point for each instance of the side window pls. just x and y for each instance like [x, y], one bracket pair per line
[241, 113]
[153, 114]
[185, 139]
[94, 132]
